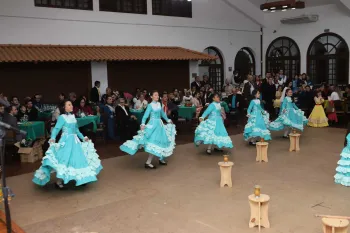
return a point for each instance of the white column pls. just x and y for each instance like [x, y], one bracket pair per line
[193, 66]
[149, 7]
[96, 5]
[99, 73]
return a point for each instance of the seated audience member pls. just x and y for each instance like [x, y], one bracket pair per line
[37, 101]
[233, 100]
[197, 102]
[61, 98]
[82, 109]
[141, 103]
[187, 98]
[22, 114]
[11, 119]
[175, 98]
[108, 93]
[15, 102]
[228, 87]
[193, 91]
[4, 101]
[73, 98]
[170, 109]
[126, 123]
[109, 118]
[31, 111]
[2, 112]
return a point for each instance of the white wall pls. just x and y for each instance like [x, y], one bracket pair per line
[214, 23]
[331, 17]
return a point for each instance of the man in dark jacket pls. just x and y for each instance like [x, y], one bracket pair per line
[268, 95]
[95, 94]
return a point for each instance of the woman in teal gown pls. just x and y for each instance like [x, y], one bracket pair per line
[212, 131]
[71, 159]
[258, 121]
[156, 138]
[290, 116]
[342, 175]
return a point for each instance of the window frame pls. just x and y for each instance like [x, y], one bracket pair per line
[292, 62]
[64, 4]
[169, 8]
[134, 4]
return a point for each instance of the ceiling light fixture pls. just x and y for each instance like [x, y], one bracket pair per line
[282, 5]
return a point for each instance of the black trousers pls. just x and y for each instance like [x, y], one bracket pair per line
[128, 129]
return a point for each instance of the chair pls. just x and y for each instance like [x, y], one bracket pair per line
[10, 148]
[101, 133]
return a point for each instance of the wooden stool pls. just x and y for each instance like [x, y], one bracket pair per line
[335, 225]
[259, 208]
[261, 151]
[294, 142]
[225, 169]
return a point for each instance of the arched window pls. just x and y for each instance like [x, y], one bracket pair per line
[245, 62]
[328, 59]
[214, 69]
[283, 54]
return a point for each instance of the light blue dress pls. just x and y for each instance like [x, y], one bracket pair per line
[343, 169]
[258, 122]
[157, 139]
[70, 158]
[212, 131]
[290, 116]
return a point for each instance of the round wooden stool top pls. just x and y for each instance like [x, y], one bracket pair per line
[335, 222]
[263, 198]
[262, 143]
[226, 164]
[295, 134]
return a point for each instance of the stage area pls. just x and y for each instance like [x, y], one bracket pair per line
[185, 196]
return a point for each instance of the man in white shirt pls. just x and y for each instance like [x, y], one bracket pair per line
[282, 78]
[334, 95]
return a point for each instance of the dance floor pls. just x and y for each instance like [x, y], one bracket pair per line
[185, 196]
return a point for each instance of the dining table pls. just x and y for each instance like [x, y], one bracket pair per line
[187, 112]
[94, 120]
[34, 129]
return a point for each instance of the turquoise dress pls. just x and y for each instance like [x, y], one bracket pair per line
[290, 116]
[343, 169]
[70, 158]
[258, 122]
[212, 131]
[157, 139]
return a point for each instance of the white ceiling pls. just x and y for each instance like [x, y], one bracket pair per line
[308, 3]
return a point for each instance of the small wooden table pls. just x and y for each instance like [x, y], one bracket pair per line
[335, 225]
[294, 142]
[261, 151]
[259, 211]
[226, 169]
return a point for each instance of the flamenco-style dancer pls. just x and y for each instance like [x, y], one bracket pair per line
[258, 121]
[342, 175]
[290, 116]
[318, 117]
[212, 131]
[156, 138]
[71, 159]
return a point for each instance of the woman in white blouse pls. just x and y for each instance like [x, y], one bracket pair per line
[187, 97]
[141, 103]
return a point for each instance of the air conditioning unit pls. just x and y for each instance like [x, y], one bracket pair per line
[300, 19]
